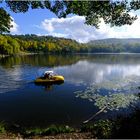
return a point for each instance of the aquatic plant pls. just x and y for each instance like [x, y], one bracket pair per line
[119, 94]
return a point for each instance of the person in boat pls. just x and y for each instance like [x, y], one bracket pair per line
[47, 74]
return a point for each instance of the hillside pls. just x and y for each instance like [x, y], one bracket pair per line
[116, 45]
[116, 41]
[15, 44]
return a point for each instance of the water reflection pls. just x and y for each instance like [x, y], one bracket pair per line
[85, 72]
[105, 74]
[49, 87]
[10, 79]
[77, 69]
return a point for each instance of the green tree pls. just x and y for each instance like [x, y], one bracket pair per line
[114, 12]
[13, 44]
[5, 21]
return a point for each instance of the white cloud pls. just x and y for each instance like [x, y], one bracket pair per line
[74, 28]
[15, 27]
[48, 26]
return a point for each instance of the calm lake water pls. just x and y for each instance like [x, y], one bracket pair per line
[23, 102]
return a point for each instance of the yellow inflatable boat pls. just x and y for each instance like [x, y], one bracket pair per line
[49, 78]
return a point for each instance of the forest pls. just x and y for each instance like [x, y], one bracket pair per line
[16, 44]
[114, 45]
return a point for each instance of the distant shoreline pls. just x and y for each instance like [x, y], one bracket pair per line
[3, 55]
[33, 53]
[18, 54]
[107, 53]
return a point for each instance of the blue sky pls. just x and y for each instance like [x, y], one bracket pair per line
[44, 22]
[28, 21]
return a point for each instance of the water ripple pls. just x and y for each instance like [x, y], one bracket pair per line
[15, 78]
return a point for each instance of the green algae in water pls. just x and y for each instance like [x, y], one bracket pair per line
[121, 93]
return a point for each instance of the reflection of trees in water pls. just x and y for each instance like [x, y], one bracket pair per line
[121, 93]
[61, 60]
[115, 58]
[40, 60]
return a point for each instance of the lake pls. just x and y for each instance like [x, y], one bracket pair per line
[22, 102]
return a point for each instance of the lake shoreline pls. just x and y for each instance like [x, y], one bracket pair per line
[18, 54]
[37, 53]
[120, 128]
[12, 131]
[3, 55]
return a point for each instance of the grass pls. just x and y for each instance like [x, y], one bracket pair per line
[2, 128]
[19, 131]
[52, 130]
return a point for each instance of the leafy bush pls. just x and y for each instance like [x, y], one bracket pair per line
[52, 130]
[100, 129]
[2, 127]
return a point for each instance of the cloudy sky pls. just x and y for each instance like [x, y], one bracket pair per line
[43, 22]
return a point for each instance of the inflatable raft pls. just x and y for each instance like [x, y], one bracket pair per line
[51, 78]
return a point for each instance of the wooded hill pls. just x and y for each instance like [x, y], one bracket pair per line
[11, 44]
[115, 45]
[14, 44]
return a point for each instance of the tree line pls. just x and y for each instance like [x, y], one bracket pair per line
[112, 45]
[12, 44]
[15, 44]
